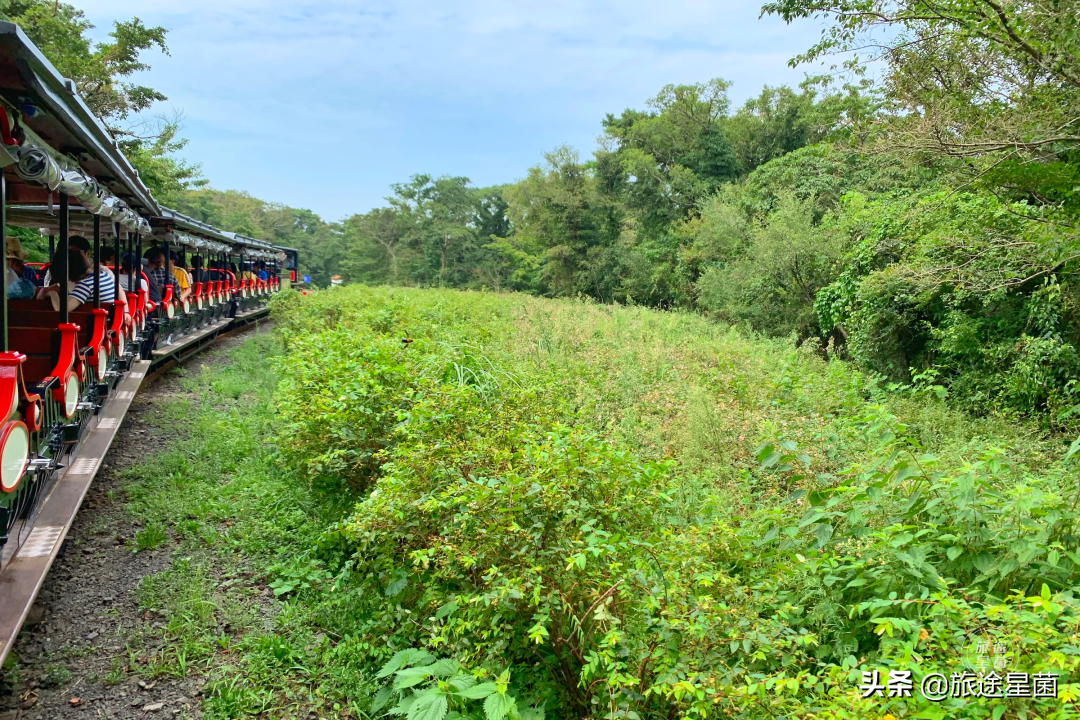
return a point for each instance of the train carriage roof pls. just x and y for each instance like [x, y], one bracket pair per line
[256, 248]
[45, 111]
[185, 231]
[181, 224]
[181, 230]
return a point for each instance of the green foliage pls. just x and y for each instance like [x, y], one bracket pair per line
[614, 228]
[100, 70]
[962, 284]
[338, 434]
[559, 218]
[150, 537]
[167, 176]
[55, 675]
[564, 495]
[424, 688]
[103, 72]
[771, 277]
[988, 89]
[319, 242]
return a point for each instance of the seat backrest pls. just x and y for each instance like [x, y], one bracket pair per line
[41, 345]
[43, 317]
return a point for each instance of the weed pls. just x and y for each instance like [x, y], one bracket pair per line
[55, 675]
[565, 490]
[117, 672]
[150, 537]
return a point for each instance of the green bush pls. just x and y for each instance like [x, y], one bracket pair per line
[338, 403]
[513, 526]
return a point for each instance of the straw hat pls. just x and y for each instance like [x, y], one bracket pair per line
[14, 248]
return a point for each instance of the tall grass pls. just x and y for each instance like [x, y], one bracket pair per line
[790, 523]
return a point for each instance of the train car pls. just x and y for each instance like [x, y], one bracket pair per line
[60, 359]
[290, 268]
[73, 356]
[259, 265]
[212, 295]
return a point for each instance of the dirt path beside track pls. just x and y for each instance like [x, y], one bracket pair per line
[70, 657]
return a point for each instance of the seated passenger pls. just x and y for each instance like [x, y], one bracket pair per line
[160, 278]
[183, 280]
[83, 246]
[126, 276]
[82, 291]
[18, 286]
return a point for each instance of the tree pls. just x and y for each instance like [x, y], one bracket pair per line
[776, 122]
[375, 243]
[440, 220]
[992, 85]
[100, 70]
[557, 214]
[769, 272]
[102, 73]
[166, 175]
[666, 160]
[321, 244]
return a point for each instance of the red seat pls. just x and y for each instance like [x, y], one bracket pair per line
[41, 347]
[33, 331]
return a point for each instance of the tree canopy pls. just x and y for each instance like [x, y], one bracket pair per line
[104, 74]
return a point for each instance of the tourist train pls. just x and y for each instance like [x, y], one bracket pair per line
[130, 289]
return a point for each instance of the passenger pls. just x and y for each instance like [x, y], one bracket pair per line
[50, 286]
[77, 268]
[125, 276]
[183, 280]
[83, 246]
[83, 291]
[18, 286]
[262, 272]
[108, 264]
[160, 278]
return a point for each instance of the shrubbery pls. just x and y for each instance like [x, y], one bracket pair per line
[519, 521]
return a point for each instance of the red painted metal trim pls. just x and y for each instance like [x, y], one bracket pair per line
[66, 366]
[9, 382]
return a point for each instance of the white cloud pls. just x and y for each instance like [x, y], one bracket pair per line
[474, 87]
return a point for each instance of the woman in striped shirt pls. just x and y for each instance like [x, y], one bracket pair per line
[83, 278]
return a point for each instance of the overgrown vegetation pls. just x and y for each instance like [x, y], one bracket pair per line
[584, 510]
[838, 439]
[923, 224]
[643, 514]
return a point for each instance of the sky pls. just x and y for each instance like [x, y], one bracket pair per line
[325, 105]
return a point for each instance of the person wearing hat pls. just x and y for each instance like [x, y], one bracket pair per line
[18, 286]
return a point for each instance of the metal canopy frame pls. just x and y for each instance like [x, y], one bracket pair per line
[177, 220]
[39, 217]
